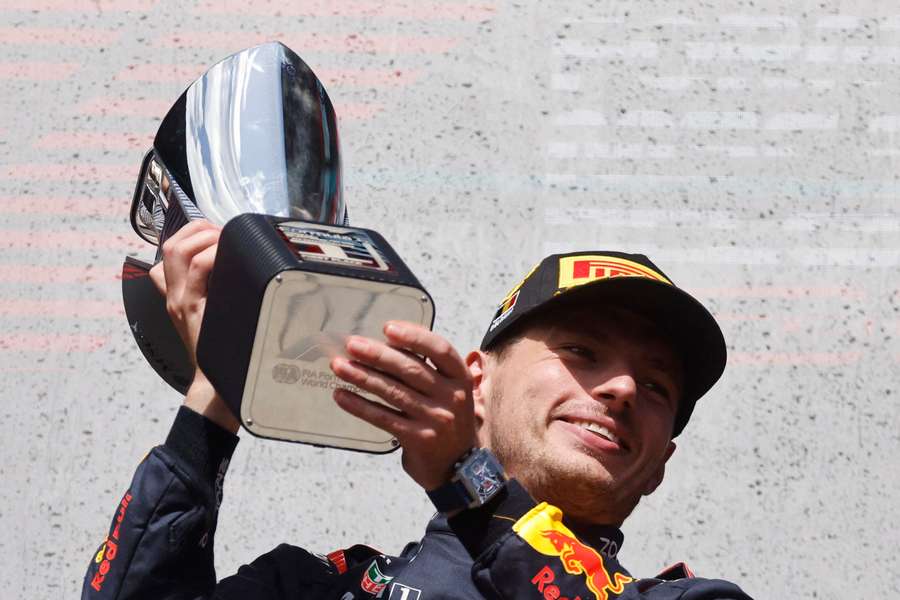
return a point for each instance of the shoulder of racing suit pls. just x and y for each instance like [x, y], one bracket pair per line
[525, 550]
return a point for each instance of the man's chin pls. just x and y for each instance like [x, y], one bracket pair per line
[581, 469]
[585, 493]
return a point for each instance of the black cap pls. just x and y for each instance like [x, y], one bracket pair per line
[631, 281]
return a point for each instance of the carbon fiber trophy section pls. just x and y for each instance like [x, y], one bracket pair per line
[283, 296]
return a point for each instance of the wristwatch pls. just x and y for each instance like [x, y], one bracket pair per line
[477, 478]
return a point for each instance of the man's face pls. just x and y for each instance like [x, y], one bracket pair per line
[581, 409]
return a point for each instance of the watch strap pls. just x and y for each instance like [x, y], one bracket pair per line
[450, 496]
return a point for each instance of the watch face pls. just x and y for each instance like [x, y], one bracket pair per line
[482, 475]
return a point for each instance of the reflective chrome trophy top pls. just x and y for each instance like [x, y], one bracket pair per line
[257, 134]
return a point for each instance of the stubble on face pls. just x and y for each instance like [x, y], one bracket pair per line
[568, 482]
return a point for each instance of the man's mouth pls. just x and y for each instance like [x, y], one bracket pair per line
[599, 431]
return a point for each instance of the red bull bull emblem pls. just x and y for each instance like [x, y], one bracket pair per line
[543, 530]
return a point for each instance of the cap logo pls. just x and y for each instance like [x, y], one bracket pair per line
[519, 285]
[578, 270]
[504, 311]
[509, 301]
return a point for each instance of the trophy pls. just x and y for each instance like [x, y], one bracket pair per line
[253, 145]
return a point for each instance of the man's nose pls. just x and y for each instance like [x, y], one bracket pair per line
[618, 390]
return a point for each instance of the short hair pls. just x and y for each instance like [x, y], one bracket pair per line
[504, 342]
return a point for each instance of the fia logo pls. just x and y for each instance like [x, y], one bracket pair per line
[403, 592]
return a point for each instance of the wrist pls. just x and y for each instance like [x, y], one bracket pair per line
[433, 484]
[203, 398]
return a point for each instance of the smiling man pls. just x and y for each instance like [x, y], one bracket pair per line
[533, 448]
[602, 393]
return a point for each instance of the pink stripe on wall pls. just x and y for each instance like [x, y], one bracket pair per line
[58, 36]
[77, 309]
[24, 274]
[179, 73]
[111, 208]
[66, 240]
[121, 107]
[771, 359]
[52, 343]
[37, 71]
[367, 77]
[83, 172]
[89, 6]
[351, 8]
[159, 108]
[349, 77]
[94, 141]
[310, 42]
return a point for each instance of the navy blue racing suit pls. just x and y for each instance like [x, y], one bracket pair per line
[160, 546]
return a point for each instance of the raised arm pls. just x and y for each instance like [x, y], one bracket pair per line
[160, 541]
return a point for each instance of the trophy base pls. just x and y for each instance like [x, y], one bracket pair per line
[284, 295]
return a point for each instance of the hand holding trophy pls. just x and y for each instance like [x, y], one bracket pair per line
[252, 145]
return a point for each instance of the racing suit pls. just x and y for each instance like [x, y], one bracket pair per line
[160, 545]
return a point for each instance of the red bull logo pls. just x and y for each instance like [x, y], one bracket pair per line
[544, 531]
[110, 548]
[578, 558]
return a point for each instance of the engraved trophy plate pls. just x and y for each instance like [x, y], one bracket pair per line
[304, 322]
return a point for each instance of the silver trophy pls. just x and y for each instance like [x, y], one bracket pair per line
[253, 145]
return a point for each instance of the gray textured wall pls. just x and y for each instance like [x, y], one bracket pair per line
[750, 148]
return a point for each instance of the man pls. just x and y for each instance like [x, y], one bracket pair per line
[591, 365]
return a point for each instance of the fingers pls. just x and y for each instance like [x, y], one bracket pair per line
[429, 406]
[188, 258]
[396, 362]
[180, 250]
[426, 343]
[189, 230]
[158, 277]
[201, 265]
[392, 391]
[157, 273]
[376, 414]
[405, 381]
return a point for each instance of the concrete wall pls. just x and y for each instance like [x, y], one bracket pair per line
[751, 149]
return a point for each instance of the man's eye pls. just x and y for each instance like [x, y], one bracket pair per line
[657, 388]
[579, 351]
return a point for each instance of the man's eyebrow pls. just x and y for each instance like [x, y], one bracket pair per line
[662, 363]
[653, 337]
[573, 325]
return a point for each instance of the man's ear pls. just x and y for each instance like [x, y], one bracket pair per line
[657, 478]
[476, 362]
